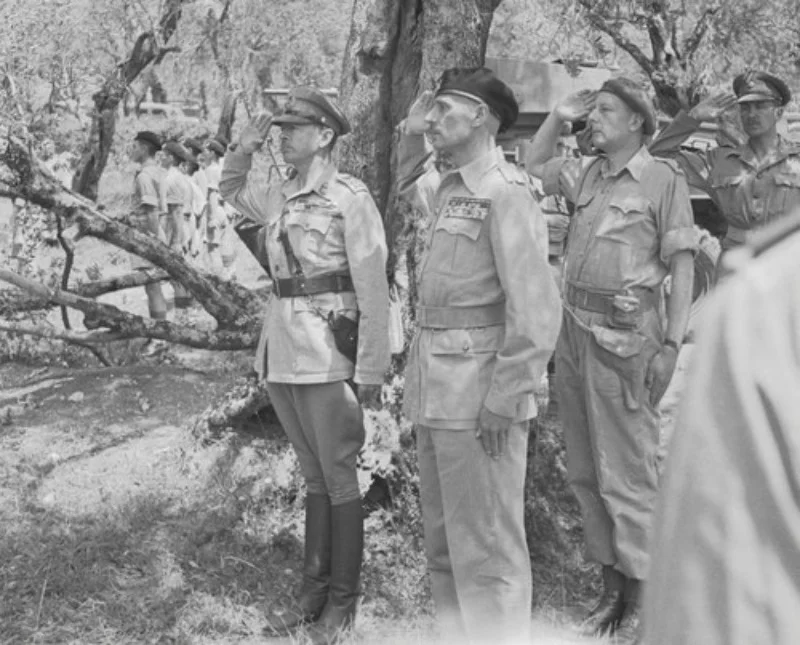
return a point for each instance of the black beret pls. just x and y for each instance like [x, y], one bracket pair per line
[149, 137]
[194, 145]
[760, 86]
[177, 150]
[215, 146]
[632, 95]
[306, 105]
[482, 84]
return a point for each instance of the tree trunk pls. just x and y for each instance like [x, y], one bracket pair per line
[149, 48]
[395, 49]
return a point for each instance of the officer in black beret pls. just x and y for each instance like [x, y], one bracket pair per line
[488, 314]
[325, 344]
[756, 182]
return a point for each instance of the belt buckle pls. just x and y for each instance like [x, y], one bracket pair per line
[276, 287]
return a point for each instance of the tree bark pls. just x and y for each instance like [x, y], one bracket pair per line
[149, 48]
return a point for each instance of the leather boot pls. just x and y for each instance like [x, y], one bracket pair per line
[347, 521]
[607, 614]
[630, 618]
[316, 570]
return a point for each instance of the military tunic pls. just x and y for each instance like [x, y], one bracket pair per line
[727, 531]
[488, 314]
[333, 227]
[626, 228]
[749, 192]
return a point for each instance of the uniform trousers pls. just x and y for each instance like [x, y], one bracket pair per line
[611, 433]
[473, 516]
[325, 425]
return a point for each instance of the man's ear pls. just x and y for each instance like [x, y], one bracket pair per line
[636, 122]
[326, 136]
[779, 112]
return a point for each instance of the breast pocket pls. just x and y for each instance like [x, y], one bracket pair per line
[459, 372]
[786, 196]
[313, 234]
[730, 193]
[456, 242]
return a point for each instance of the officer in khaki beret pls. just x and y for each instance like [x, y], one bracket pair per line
[615, 357]
[488, 315]
[325, 344]
[752, 184]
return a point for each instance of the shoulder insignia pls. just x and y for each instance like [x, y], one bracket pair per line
[514, 174]
[353, 184]
[467, 208]
[674, 165]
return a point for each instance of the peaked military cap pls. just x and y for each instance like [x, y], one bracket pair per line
[215, 146]
[176, 149]
[149, 137]
[634, 96]
[306, 105]
[760, 86]
[481, 83]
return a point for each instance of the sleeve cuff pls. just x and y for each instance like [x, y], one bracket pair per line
[502, 406]
[686, 238]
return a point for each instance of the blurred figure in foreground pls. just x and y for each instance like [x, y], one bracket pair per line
[727, 534]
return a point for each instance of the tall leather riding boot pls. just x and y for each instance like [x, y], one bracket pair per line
[607, 614]
[316, 570]
[347, 521]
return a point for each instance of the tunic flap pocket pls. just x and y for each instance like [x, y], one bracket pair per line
[450, 342]
[314, 222]
[792, 181]
[629, 204]
[460, 226]
[727, 182]
[620, 342]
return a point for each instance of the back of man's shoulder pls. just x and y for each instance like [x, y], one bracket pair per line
[351, 183]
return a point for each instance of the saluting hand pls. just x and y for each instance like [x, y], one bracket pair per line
[659, 373]
[493, 432]
[255, 132]
[576, 106]
[713, 106]
[415, 121]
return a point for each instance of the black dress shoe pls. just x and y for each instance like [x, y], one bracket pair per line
[607, 615]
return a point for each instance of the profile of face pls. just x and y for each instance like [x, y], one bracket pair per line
[301, 141]
[613, 123]
[138, 151]
[759, 117]
[452, 120]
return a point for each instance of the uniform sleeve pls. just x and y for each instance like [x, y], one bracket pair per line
[727, 527]
[417, 178]
[518, 235]
[235, 188]
[365, 242]
[562, 176]
[675, 220]
[149, 190]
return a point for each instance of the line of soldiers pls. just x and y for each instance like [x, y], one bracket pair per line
[489, 317]
[176, 198]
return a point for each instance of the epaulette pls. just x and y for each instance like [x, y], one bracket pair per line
[353, 184]
[514, 174]
[672, 163]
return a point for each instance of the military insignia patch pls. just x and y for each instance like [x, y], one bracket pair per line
[467, 208]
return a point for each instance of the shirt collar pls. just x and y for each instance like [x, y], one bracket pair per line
[635, 166]
[292, 187]
[782, 150]
[473, 172]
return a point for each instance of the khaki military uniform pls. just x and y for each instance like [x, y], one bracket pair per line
[333, 227]
[488, 316]
[176, 220]
[749, 192]
[626, 228]
[727, 533]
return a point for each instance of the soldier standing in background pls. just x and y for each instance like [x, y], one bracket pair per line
[488, 315]
[325, 345]
[146, 208]
[727, 533]
[177, 200]
[220, 235]
[631, 229]
[752, 184]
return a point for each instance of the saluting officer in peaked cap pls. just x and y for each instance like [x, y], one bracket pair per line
[306, 105]
[760, 86]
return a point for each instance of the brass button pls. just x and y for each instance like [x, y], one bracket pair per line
[466, 347]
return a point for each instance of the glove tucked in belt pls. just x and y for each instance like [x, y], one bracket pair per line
[303, 286]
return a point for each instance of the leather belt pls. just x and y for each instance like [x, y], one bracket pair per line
[303, 286]
[601, 302]
[461, 317]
